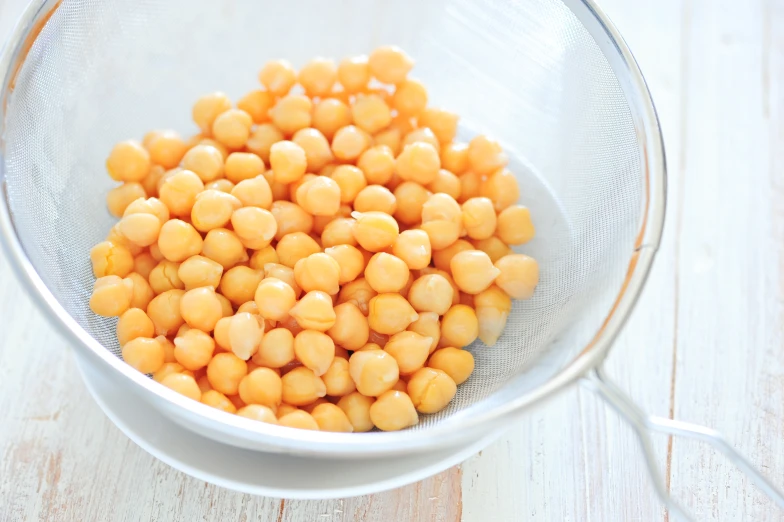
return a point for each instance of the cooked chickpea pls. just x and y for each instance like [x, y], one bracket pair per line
[217, 400]
[442, 259]
[446, 183]
[410, 197]
[429, 270]
[239, 284]
[454, 158]
[183, 384]
[143, 264]
[337, 378]
[178, 192]
[349, 142]
[164, 311]
[292, 113]
[263, 256]
[318, 271]
[258, 413]
[413, 247]
[118, 199]
[473, 271]
[393, 411]
[492, 310]
[295, 246]
[128, 161]
[316, 147]
[275, 299]
[262, 386]
[241, 166]
[470, 186]
[386, 273]
[200, 308]
[144, 354]
[431, 293]
[375, 231]
[459, 326]
[298, 419]
[456, 363]
[428, 325]
[359, 293]
[314, 311]
[315, 350]
[205, 161]
[330, 115]
[479, 218]
[301, 386]
[150, 181]
[254, 192]
[168, 349]
[519, 275]
[111, 259]
[261, 140]
[339, 232]
[244, 334]
[493, 247]
[255, 227]
[373, 371]
[418, 162]
[410, 97]
[283, 273]
[224, 247]
[441, 207]
[111, 296]
[410, 350]
[443, 123]
[288, 161]
[441, 233]
[485, 155]
[331, 418]
[390, 64]
[320, 196]
[167, 369]
[225, 371]
[431, 390]
[351, 328]
[354, 73]
[515, 226]
[421, 135]
[142, 292]
[318, 76]
[351, 262]
[194, 349]
[232, 128]
[276, 349]
[140, 229]
[278, 76]
[357, 408]
[375, 198]
[370, 113]
[390, 313]
[207, 108]
[166, 149]
[213, 209]
[194, 272]
[291, 218]
[115, 236]
[257, 103]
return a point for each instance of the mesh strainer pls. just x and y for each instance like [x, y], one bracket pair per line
[551, 79]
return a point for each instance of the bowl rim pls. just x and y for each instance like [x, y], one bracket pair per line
[648, 129]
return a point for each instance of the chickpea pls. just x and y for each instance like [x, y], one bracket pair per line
[331, 418]
[257, 104]
[166, 148]
[213, 209]
[299, 419]
[316, 147]
[354, 73]
[446, 183]
[410, 97]
[224, 247]
[318, 76]
[207, 108]
[329, 115]
[411, 198]
[319, 196]
[441, 233]
[262, 386]
[111, 259]
[255, 227]
[245, 333]
[194, 349]
[262, 257]
[144, 354]
[318, 271]
[454, 158]
[140, 229]
[443, 123]
[410, 350]
[375, 231]
[239, 284]
[205, 161]
[351, 329]
[225, 371]
[128, 161]
[241, 166]
[200, 308]
[232, 128]
[150, 182]
[479, 219]
[493, 247]
[222, 185]
[292, 113]
[473, 271]
[213, 143]
[349, 142]
[291, 218]
[390, 64]
[418, 162]
[431, 390]
[442, 259]
[179, 192]
[357, 409]
[470, 186]
[261, 140]
[441, 207]
[111, 296]
[142, 293]
[301, 386]
[459, 326]
[515, 226]
[278, 76]
[276, 349]
[492, 310]
[350, 262]
[217, 400]
[167, 369]
[456, 363]
[386, 273]
[390, 313]
[519, 275]
[315, 350]
[258, 413]
[337, 378]
[431, 293]
[393, 411]
[428, 325]
[254, 192]
[275, 299]
[359, 293]
[183, 384]
[370, 113]
[288, 161]
[339, 232]
[118, 199]
[375, 198]
[143, 264]
[373, 371]
[283, 273]
[485, 155]
[168, 349]
[428, 270]
[194, 272]
[378, 164]
[413, 247]
[295, 246]
[314, 311]
[421, 135]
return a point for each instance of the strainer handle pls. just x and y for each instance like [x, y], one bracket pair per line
[644, 424]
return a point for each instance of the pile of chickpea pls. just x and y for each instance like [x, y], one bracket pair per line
[319, 255]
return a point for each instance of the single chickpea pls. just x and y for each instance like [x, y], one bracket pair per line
[318, 271]
[410, 97]
[232, 128]
[194, 349]
[375, 198]
[473, 271]
[413, 247]
[249, 306]
[354, 73]
[257, 103]
[442, 259]
[183, 384]
[255, 227]
[213, 209]
[519, 275]
[515, 226]
[350, 262]
[390, 64]
[142, 291]
[421, 135]
[428, 325]
[446, 183]
[226, 307]
[459, 326]
[261, 140]
[217, 400]
[431, 293]
[221, 333]
[258, 413]
[411, 197]
[262, 386]
[214, 143]
[278, 76]
[225, 247]
[128, 161]
[375, 231]
[140, 229]
[393, 411]
[330, 115]
[144, 354]
[442, 207]
[263, 256]
[470, 186]
[241, 166]
[418, 162]
[301, 386]
[283, 273]
[111, 259]
[168, 349]
[120, 197]
[166, 149]
[200, 308]
[331, 418]
[349, 143]
[386, 273]
[152, 206]
[239, 284]
[492, 310]
[167, 369]
[150, 181]
[295, 246]
[373, 371]
[288, 161]
[501, 188]
[359, 293]
[143, 264]
[320, 196]
[410, 350]
[431, 390]
[443, 123]
[479, 219]
[222, 185]
[245, 332]
[292, 113]
[254, 192]
[207, 108]
[318, 76]
[194, 272]
[205, 161]
[337, 379]
[339, 232]
[357, 408]
[179, 192]
[276, 349]
[315, 350]
[428, 270]
[299, 419]
[390, 313]
[392, 139]
[314, 311]
[316, 147]
[164, 311]
[225, 371]
[493, 247]
[111, 296]
[485, 155]
[378, 164]
[275, 299]
[456, 363]
[441, 233]
[454, 158]
[351, 327]
[370, 113]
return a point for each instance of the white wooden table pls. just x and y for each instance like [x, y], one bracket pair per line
[705, 344]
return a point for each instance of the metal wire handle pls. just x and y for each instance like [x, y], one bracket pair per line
[644, 424]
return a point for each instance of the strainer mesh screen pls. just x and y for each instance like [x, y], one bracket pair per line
[525, 72]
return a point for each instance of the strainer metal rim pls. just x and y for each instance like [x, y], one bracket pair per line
[649, 134]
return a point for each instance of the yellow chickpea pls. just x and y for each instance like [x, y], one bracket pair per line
[261, 140]
[239, 284]
[284, 274]
[275, 299]
[492, 310]
[442, 259]
[348, 181]
[354, 73]
[288, 161]
[456, 363]
[442, 233]
[150, 181]
[128, 161]
[166, 149]
[165, 276]
[370, 113]
[515, 226]
[418, 162]
[351, 329]
[111, 259]
[316, 147]
[178, 192]
[168, 349]
[232, 128]
[393, 411]
[301, 386]
[143, 264]
[429, 270]
[254, 192]
[493, 247]
[479, 219]
[142, 292]
[410, 97]
[213, 209]
[442, 207]
[111, 296]
[262, 386]
[410, 350]
[350, 261]
[349, 142]
[244, 334]
[143, 354]
[183, 384]
[473, 271]
[276, 349]
[390, 313]
[214, 143]
[421, 135]
[359, 293]
[318, 271]
[470, 186]
[224, 247]
[152, 206]
[390, 64]
[443, 123]
[337, 378]
[194, 272]
[454, 158]
[257, 103]
[255, 227]
[373, 371]
[295, 246]
[339, 232]
[315, 350]
[390, 138]
[258, 413]
[413, 247]
[225, 371]
[217, 400]
[141, 229]
[459, 326]
[485, 155]
[357, 409]
[375, 231]
[299, 419]
[330, 115]
[375, 198]
[411, 197]
[378, 164]
[320, 196]
[519, 275]
[318, 76]
[386, 273]
[207, 108]
[431, 293]
[278, 76]
[314, 311]
[292, 113]
[446, 183]
[200, 308]
[194, 349]
[118, 199]
[428, 325]
[242, 166]
[263, 256]
[331, 418]
[223, 185]
[431, 390]
[205, 161]
[167, 369]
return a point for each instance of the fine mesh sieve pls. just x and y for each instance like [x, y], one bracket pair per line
[551, 79]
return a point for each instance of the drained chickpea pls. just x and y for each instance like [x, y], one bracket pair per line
[337, 378]
[390, 64]
[390, 138]
[479, 218]
[243, 335]
[225, 371]
[283, 273]
[143, 353]
[316, 147]
[446, 183]
[386, 273]
[370, 113]
[354, 73]
[330, 115]
[351, 328]
[320, 196]
[120, 197]
[441, 233]
[456, 363]
[143, 264]
[165, 276]
[410, 350]
[413, 247]
[359, 293]
[373, 371]
[263, 256]
[375, 231]
[111, 296]
[318, 271]
[194, 349]
[429, 270]
[276, 349]
[339, 232]
[418, 162]
[454, 158]
[428, 325]
[443, 123]
[278, 76]
[315, 350]
[357, 409]
[485, 155]
[166, 149]
[390, 313]
[515, 226]
[470, 186]
[349, 142]
[301, 386]
[392, 411]
[431, 390]
[195, 272]
[421, 135]
[111, 259]
[222, 185]
[239, 284]
[459, 326]
[473, 271]
[275, 299]
[314, 311]
[295, 246]
[213, 209]
[492, 310]
[258, 413]
[493, 247]
[262, 138]
[519, 275]
[331, 418]
[255, 227]
[205, 161]
[183, 384]
[224, 247]
[142, 292]
[262, 386]
[167, 369]
[140, 229]
[207, 108]
[288, 161]
[168, 348]
[291, 218]
[410, 97]
[410, 197]
[217, 400]
[318, 76]
[442, 259]
[150, 181]
[350, 260]
[254, 192]
[257, 103]
[441, 207]
[200, 308]
[378, 164]
[431, 293]
[179, 192]
[232, 128]
[152, 206]
[128, 161]
[242, 166]
[375, 198]
[292, 113]
[298, 419]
